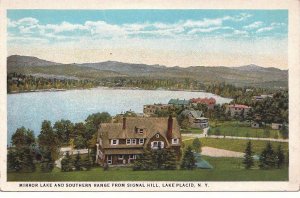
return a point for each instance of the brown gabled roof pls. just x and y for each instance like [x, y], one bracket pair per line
[150, 125]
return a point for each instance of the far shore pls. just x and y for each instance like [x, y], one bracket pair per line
[122, 88]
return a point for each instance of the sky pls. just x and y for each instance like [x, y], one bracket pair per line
[166, 37]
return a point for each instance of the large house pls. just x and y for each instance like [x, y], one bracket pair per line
[121, 143]
[236, 109]
[196, 118]
[210, 102]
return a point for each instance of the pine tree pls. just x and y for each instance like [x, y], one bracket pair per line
[67, 163]
[248, 160]
[159, 157]
[267, 158]
[170, 160]
[279, 157]
[47, 163]
[197, 145]
[188, 161]
[77, 162]
[87, 163]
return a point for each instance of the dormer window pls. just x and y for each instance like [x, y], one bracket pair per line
[140, 131]
[114, 142]
[175, 141]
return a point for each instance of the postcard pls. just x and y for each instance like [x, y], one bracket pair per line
[150, 95]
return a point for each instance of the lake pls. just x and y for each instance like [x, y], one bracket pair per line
[30, 109]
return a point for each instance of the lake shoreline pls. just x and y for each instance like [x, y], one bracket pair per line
[111, 88]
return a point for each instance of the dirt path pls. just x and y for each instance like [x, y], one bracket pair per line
[214, 152]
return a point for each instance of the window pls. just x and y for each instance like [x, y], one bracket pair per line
[133, 141]
[157, 144]
[175, 141]
[114, 142]
[109, 159]
[132, 156]
[141, 141]
[120, 157]
[128, 141]
[141, 131]
[157, 135]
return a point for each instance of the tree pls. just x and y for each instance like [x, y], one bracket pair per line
[21, 156]
[87, 163]
[67, 163]
[197, 145]
[284, 131]
[14, 161]
[98, 118]
[188, 161]
[248, 160]
[77, 162]
[160, 159]
[80, 142]
[64, 130]
[47, 163]
[279, 157]
[170, 160]
[267, 158]
[23, 138]
[48, 140]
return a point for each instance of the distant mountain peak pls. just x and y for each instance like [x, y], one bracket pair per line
[18, 60]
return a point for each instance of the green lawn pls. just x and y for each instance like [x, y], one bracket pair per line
[237, 145]
[192, 130]
[225, 169]
[234, 128]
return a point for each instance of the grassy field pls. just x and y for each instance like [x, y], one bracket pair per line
[236, 145]
[225, 169]
[192, 130]
[233, 128]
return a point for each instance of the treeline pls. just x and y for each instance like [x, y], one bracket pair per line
[23, 83]
[27, 151]
[268, 158]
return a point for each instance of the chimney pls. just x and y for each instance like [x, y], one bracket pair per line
[124, 123]
[170, 126]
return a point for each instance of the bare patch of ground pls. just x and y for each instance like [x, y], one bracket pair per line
[214, 152]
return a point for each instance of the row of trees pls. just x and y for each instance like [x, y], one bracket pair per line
[159, 159]
[21, 83]
[69, 164]
[268, 158]
[165, 159]
[26, 150]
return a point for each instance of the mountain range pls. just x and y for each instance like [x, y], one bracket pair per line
[247, 75]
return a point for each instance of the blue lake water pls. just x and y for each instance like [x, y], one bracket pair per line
[30, 109]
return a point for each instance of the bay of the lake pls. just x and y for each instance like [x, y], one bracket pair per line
[30, 109]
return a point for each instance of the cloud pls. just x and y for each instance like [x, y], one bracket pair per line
[221, 27]
[240, 32]
[271, 27]
[264, 29]
[253, 25]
